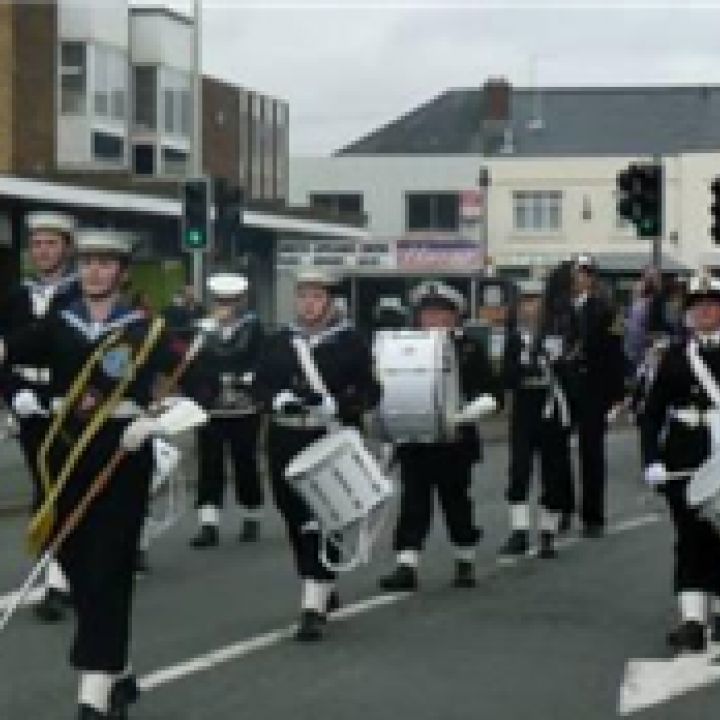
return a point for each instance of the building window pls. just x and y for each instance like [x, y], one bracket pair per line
[73, 78]
[433, 211]
[107, 148]
[537, 211]
[177, 103]
[144, 159]
[145, 94]
[110, 83]
[338, 203]
[174, 162]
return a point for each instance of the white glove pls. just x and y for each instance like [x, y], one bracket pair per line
[327, 409]
[3, 351]
[25, 404]
[656, 474]
[283, 399]
[481, 406]
[138, 432]
[553, 345]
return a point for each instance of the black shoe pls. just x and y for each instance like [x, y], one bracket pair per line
[547, 549]
[142, 566]
[517, 545]
[688, 636]
[593, 530]
[85, 712]
[208, 536]
[311, 626]
[250, 530]
[53, 606]
[333, 602]
[464, 574]
[565, 524]
[125, 692]
[403, 577]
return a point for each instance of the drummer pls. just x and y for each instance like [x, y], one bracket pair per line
[301, 414]
[442, 467]
[681, 422]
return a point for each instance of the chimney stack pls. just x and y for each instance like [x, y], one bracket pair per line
[496, 113]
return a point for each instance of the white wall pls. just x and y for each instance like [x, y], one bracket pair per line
[161, 40]
[105, 21]
[383, 180]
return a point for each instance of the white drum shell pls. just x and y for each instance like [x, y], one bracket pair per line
[339, 479]
[703, 492]
[419, 373]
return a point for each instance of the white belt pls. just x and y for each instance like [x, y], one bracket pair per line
[304, 422]
[692, 417]
[125, 409]
[35, 375]
[532, 382]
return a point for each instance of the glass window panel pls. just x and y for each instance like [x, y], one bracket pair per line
[447, 212]
[73, 78]
[107, 147]
[419, 211]
[145, 88]
[169, 96]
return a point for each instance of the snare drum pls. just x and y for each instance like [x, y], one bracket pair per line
[419, 373]
[345, 488]
[703, 491]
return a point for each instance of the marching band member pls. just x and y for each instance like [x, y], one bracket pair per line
[301, 415]
[445, 467]
[598, 385]
[227, 360]
[682, 422]
[539, 422]
[105, 357]
[50, 247]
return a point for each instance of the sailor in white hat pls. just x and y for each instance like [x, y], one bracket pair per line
[334, 382]
[681, 439]
[52, 286]
[233, 336]
[444, 467]
[105, 357]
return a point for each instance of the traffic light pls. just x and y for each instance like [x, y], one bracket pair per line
[196, 214]
[639, 189]
[715, 210]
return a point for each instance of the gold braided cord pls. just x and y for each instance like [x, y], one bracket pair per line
[41, 525]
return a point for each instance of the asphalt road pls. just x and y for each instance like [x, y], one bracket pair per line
[540, 639]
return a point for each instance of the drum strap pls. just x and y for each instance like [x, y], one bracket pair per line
[709, 384]
[309, 366]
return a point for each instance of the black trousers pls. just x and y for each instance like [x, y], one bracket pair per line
[531, 434]
[425, 469]
[32, 434]
[98, 558]
[239, 437]
[697, 544]
[283, 444]
[590, 411]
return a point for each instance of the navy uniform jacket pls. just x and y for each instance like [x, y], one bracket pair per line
[677, 444]
[232, 351]
[30, 301]
[343, 360]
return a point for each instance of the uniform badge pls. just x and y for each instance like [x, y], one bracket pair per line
[115, 362]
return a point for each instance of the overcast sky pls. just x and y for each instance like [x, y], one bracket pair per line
[348, 67]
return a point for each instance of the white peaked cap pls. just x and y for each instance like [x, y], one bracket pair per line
[703, 285]
[104, 241]
[316, 276]
[53, 221]
[431, 289]
[227, 285]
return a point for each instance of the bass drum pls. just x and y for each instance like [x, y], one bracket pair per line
[419, 373]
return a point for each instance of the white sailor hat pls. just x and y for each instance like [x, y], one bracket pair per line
[227, 285]
[53, 221]
[316, 276]
[702, 286]
[97, 240]
[585, 261]
[434, 293]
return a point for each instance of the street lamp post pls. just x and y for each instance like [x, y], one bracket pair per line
[197, 169]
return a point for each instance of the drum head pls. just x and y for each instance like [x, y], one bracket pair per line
[317, 453]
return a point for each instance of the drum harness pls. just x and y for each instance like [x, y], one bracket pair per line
[366, 534]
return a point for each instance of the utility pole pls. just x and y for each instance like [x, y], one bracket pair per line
[197, 169]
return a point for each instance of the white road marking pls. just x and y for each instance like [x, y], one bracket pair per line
[648, 683]
[243, 648]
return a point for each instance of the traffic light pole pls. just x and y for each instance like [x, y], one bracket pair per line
[198, 269]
